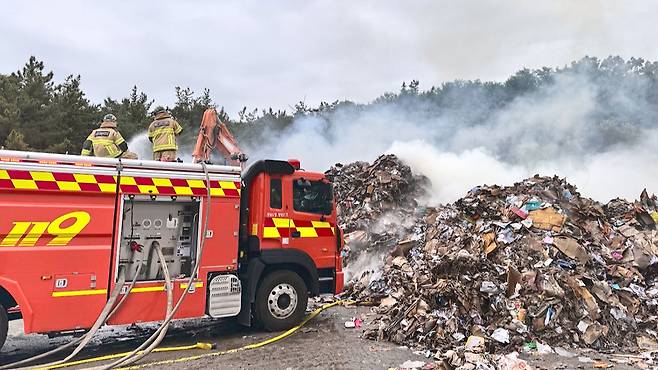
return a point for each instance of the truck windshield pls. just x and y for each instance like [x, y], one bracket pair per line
[312, 196]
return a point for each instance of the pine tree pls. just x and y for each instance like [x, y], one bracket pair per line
[132, 113]
[72, 118]
[189, 109]
[65, 147]
[9, 111]
[16, 141]
[35, 104]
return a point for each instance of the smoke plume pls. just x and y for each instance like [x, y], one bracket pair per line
[597, 132]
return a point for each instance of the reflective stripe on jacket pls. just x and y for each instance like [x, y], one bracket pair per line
[105, 142]
[162, 132]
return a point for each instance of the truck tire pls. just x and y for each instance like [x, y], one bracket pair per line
[281, 300]
[4, 325]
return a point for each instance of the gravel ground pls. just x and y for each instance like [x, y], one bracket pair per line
[323, 343]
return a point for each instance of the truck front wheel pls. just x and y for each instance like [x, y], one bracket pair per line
[281, 300]
[4, 325]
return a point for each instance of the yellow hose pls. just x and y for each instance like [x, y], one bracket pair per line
[247, 347]
[205, 346]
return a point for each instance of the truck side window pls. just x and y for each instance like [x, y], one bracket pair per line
[275, 193]
[312, 196]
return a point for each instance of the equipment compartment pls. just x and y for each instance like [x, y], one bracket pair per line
[147, 222]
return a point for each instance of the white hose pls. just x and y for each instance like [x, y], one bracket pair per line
[83, 341]
[130, 287]
[132, 258]
[155, 341]
[110, 302]
[146, 346]
[108, 305]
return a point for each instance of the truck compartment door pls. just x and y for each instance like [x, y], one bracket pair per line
[76, 284]
[312, 227]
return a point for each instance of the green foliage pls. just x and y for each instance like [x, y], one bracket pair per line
[189, 109]
[9, 111]
[47, 116]
[16, 141]
[40, 114]
[132, 112]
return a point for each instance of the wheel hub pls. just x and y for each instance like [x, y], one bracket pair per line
[282, 301]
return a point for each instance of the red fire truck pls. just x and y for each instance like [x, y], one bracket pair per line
[71, 225]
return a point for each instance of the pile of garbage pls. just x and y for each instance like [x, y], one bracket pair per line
[372, 197]
[451, 360]
[530, 265]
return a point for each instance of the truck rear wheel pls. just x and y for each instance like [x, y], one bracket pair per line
[281, 300]
[4, 325]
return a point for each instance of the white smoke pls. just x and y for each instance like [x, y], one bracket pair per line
[142, 146]
[560, 129]
[372, 260]
[453, 174]
[553, 131]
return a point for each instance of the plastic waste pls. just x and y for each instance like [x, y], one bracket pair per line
[500, 335]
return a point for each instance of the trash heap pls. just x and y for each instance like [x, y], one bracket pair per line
[372, 197]
[533, 264]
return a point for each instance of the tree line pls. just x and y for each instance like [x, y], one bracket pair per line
[38, 114]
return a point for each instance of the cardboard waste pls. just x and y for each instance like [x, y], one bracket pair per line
[372, 197]
[502, 266]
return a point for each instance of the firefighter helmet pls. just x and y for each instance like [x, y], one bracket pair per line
[158, 110]
[109, 118]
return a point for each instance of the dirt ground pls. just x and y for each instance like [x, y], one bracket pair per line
[324, 343]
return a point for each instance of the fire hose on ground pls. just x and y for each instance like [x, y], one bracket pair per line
[203, 346]
[102, 318]
[107, 312]
[156, 338]
[82, 341]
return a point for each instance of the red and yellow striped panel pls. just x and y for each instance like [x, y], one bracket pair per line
[77, 182]
[282, 227]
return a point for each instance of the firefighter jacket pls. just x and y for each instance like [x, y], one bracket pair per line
[105, 141]
[163, 131]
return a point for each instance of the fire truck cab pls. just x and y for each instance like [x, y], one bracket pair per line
[264, 239]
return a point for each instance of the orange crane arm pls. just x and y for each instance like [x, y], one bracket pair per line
[214, 135]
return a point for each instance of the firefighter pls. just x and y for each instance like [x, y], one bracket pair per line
[162, 133]
[107, 141]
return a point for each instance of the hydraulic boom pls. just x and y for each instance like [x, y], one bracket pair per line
[214, 135]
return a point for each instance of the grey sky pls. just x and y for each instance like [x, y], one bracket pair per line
[260, 53]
